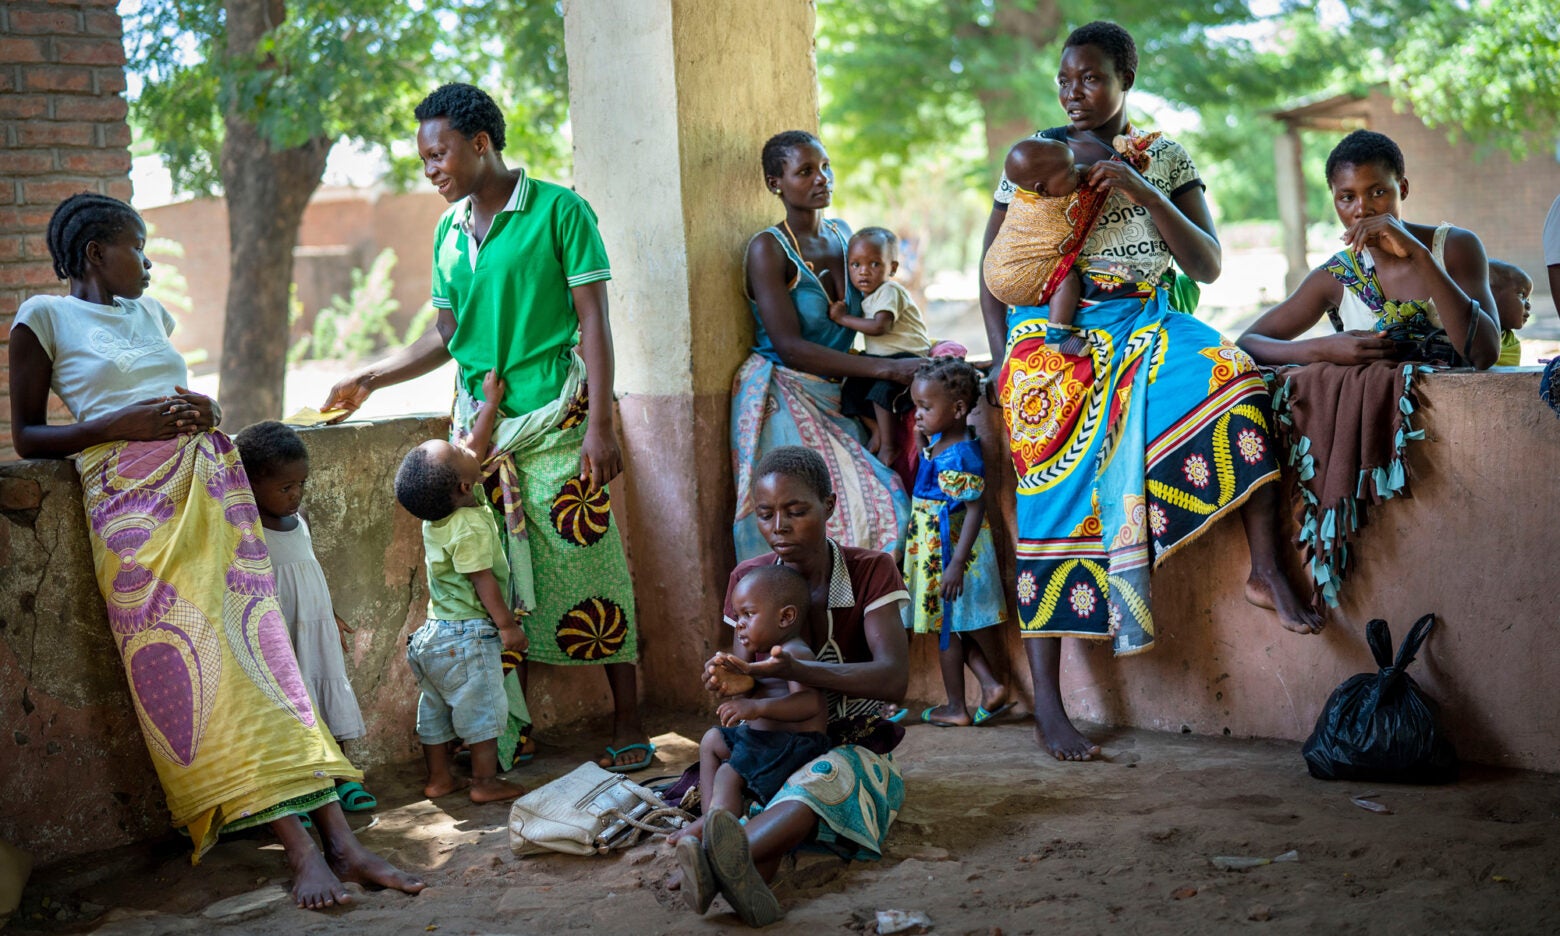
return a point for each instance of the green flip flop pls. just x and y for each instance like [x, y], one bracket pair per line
[613, 753]
[982, 716]
[354, 798]
[926, 718]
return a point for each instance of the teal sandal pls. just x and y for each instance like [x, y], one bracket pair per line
[613, 753]
[354, 798]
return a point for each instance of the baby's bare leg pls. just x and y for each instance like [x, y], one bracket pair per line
[887, 440]
[1064, 301]
[727, 793]
[486, 787]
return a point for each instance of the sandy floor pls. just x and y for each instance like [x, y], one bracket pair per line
[992, 837]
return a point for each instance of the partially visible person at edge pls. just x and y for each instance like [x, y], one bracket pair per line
[519, 281]
[845, 800]
[1394, 282]
[1549, 385]
[787, 392]
[178, 546]
[1191, 435]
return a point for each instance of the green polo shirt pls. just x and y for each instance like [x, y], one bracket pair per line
[510, 295]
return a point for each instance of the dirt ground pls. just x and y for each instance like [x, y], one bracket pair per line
[993, 836]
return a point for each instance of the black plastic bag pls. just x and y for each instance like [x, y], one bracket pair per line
[1381, 726]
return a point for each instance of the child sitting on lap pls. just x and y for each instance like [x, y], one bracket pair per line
[891, 326]
[775, 728]
[278, 468]
[1030, 262]
[456, 654]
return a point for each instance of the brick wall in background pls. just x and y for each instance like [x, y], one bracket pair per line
[62, 131]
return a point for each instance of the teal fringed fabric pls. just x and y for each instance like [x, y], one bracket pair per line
[1345, 429]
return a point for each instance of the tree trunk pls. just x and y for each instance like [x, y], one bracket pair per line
[1006, 123]
[267, 190]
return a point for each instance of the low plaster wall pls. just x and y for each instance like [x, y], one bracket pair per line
[1475, 544]
[76, 776]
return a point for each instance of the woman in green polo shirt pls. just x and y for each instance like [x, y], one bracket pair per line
[519, 281]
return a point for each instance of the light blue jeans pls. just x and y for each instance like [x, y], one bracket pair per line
[459, 669]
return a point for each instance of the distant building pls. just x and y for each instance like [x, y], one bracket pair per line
[1496, 197]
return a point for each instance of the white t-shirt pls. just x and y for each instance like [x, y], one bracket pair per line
[1552, 236]
[105, 357]
[908, 332]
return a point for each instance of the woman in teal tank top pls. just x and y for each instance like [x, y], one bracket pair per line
[787, 392]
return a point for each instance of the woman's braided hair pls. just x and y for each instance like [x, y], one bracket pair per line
[80, 220]
[957, 375]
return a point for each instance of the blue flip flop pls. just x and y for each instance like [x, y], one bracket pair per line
[898, 716]
[613, 753]
[354, 798]
[982, 716]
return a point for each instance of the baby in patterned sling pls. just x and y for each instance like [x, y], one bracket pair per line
[772, 730]
[456, 655]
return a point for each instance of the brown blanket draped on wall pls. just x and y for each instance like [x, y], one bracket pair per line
[1345, 428]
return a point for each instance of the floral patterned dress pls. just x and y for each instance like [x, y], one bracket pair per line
[945, 484]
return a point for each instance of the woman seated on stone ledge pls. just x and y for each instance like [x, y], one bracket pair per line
[181, 560]
[1401, 290]
[1397, 292]
[847, 799]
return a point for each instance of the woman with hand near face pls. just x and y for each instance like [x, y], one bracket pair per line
[1394, 283]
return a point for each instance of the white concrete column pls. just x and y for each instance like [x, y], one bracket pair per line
[670, 103]
[1290, 189]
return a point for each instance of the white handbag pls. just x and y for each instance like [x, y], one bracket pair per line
[588, 811]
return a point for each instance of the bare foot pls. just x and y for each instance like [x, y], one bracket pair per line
[314, 886]
[694, 829]
[352, 862]
[1063, 741]
[622, 739]
[494, 790]
[1271, 590]
[993, 697]
[444, 786]
[948, 715]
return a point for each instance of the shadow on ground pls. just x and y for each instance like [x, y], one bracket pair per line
[993, 836]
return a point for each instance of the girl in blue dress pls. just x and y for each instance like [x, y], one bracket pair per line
[950, 564]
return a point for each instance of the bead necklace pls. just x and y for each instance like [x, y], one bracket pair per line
[786, 223]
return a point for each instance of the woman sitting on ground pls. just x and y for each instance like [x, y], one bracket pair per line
[787, 391]
[846, 799]
[181, 560]
[1394, 284]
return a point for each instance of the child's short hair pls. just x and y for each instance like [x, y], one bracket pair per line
[78, 221]
[1363, 147]
[425, 487]
[266, 446]
[1503, 275]
[782, 585]
[799, 463]
[882, 235]
[959, 376]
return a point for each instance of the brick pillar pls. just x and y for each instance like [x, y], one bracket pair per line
[62, 131]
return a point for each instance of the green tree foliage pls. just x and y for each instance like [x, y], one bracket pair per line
[250, 95]
[1489, 70]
